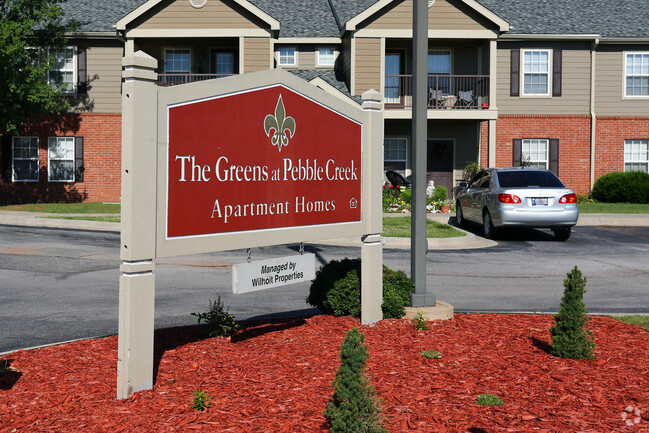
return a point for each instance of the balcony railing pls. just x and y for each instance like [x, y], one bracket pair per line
[174, 79]
[443, 91]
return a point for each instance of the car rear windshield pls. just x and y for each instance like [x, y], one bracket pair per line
[528, 179]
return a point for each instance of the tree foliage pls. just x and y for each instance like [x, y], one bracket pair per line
[569, 338]
[29, 29]
[354, 407]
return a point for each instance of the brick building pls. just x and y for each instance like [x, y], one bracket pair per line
[562, 85]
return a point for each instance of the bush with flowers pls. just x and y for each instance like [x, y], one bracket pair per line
[396, 199]
[399, 199]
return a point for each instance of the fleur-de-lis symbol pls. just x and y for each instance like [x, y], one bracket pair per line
[281, 124]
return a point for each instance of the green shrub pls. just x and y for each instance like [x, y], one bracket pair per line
[406, 196]
[420, 322]
[201, 401]
[569, 338]
[489, 400]
[218, 322]
[354, 406]
[432, 354]
[441, 193]
[622, 187]
[336, 290]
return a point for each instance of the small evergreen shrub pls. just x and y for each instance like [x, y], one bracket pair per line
[336, 290]
[218, 322]
[569, 338]
[354, 406]
[622, 187]
[201, 401]
[420, 322]
[489, 400]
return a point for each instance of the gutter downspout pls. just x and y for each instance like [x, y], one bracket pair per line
[593, 115]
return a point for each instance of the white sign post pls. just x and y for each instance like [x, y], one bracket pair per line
[250, 160]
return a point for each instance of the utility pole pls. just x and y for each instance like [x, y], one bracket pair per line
[418, 241]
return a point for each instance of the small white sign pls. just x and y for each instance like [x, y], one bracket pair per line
[265, 274]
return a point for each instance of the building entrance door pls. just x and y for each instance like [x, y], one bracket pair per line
[439, 166]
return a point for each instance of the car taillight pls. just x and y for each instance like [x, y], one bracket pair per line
[568, 198]
[508, 198]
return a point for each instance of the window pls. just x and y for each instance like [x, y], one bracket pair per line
[636, 155]
[393, 68]
[326, 57]
[222, 63]
[25, 158]
[287, 56]
[177, 61]
[61, 159]
[535, 152]
[62, 71]
[395, 155]
[439, 63]
[536, 72]
[636, 74]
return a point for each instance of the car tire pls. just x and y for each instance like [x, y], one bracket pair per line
[488, 229]
[562, 234]
[459, 216]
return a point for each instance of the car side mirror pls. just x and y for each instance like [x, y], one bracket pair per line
[462, 184]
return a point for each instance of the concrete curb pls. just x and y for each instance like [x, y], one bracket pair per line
[469, 241]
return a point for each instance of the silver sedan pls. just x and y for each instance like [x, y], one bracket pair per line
[521, 197]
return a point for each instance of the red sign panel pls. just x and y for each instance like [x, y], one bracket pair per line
[263, 159]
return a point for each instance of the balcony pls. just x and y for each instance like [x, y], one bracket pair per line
[454, 92]
[174, 79]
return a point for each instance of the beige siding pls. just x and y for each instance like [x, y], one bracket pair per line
[179, 14]
[256, 53]
[306, 57]
[368, 64]
[575, 83]
[445, 15]
[105, 79]
[610, 82]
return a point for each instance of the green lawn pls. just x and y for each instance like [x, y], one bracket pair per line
[103, 218]
[612, 208]
[637, 320]
[86, 207]
[399, 227]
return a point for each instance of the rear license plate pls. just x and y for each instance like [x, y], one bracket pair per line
[539, 202]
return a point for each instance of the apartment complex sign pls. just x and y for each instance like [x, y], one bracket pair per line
[252, 160]
[260, 159]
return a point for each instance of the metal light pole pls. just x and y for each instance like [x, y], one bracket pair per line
[419, 243]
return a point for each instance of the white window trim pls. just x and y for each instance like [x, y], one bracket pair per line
[164, 59]
[406, 169]
[631, 161]
[74, 70]
[49, 173]
[625, 76]
[546, 161]
[317, 54]
[37, 159]
[279, 57]
[522, 74]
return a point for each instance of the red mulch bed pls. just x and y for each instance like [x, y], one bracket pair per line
[276, 377]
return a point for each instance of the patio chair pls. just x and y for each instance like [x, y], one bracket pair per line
[436, 98]
[466, 99]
